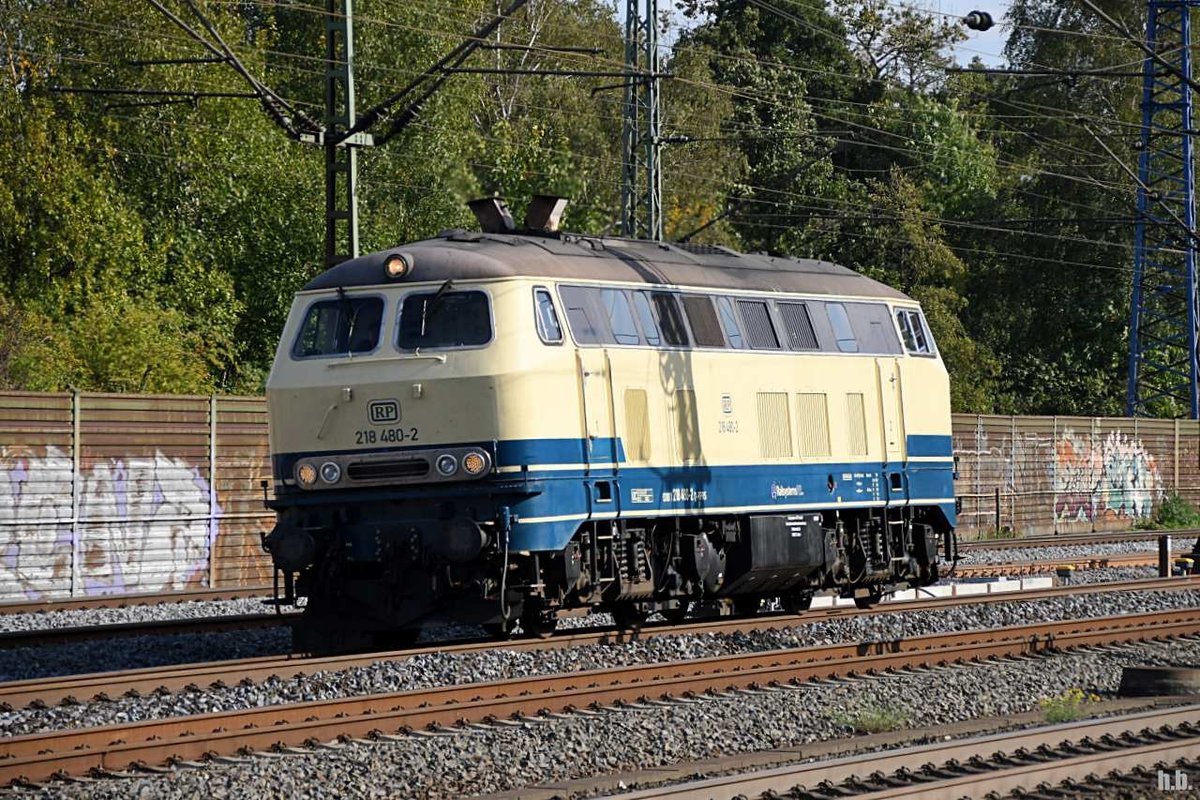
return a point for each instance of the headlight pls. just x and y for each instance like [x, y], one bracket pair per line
[474, 463]
[306, 474]
[447, 465]
[396, 266]
[331, 472]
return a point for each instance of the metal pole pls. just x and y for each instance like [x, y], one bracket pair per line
[212, 491]
[652, 137]
[1162, 364]
[341, 160]
[76, 491]
[641, 129]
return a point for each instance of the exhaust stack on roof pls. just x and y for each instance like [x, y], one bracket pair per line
[493, 215]
[545, 213]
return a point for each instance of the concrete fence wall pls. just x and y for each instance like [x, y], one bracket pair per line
[105, 494]
[1042, 475]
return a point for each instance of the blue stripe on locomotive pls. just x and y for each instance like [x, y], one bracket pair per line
[560, 499]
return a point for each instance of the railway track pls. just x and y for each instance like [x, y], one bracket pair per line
[127, 600]
[40, 637]
[38, 757]
[1065, 540]
[976, 767]
[103, 685]
[966, 569]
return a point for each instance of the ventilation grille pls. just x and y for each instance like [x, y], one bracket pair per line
[703, 249]
[637, 425]
[856, 425]
[388, 470]
[687, 426]
[812, 424]
[799, 326]
[774, 425]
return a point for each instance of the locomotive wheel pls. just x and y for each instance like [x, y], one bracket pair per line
[797, 602]
[866, 601]
[629, 617]
[539, 624]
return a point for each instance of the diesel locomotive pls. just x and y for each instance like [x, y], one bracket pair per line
[502, 426]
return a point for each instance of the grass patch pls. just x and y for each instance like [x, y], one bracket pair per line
[997, 533]
[1173, 513]
[1068, 706]
[871, 718]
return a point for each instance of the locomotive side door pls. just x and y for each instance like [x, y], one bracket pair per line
[597, 412]
[891, 408]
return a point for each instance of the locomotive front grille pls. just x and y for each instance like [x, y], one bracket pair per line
[388, 470]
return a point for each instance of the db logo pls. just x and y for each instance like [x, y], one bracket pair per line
[383, 412]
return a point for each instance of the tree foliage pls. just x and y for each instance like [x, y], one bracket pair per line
[151, 246]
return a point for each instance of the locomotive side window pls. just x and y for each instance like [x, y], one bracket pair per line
[547, 318]
[341, 326]
[706, 329]
[799, 326]
[620, 316]
[670, 319]
[842, 330]
[646, 319]
[912, 330]
[582, 314]
[444, 319]
[759, 330]
[729, 321]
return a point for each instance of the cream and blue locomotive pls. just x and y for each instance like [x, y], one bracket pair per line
[503, 426]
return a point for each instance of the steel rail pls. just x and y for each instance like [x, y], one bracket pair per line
[1081, 539]
[104, 685]
[126, 600]
[41, 637]
[966, 569]
[783, 780]
[37, 757]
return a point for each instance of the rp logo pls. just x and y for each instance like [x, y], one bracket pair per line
[383, 412]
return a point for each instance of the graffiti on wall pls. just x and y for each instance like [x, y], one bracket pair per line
[1098, 477]
[145, 524]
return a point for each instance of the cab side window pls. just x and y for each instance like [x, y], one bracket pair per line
[548, 327]
[912, 331]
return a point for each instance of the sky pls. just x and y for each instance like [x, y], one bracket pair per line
[988, 45]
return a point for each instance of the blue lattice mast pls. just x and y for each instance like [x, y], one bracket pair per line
[1162, 326]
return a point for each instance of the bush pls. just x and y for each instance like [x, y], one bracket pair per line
[1067, 706]
[1174, 512]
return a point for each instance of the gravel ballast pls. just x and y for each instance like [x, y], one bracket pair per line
[494, 758]
[441, 669]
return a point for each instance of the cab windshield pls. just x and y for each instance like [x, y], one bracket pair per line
[444, 319]
[340, 326]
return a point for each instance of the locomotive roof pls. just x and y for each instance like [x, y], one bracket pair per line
[463, 255]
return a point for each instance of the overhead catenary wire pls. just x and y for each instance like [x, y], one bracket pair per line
[876, 129]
